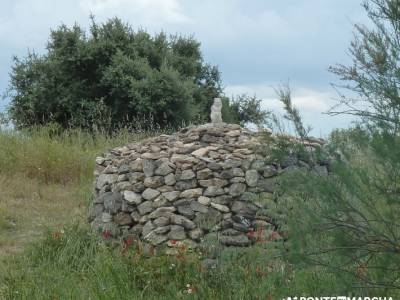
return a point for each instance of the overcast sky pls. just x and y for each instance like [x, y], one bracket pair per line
[257, 44]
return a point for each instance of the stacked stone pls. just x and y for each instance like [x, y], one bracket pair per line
[202, 180]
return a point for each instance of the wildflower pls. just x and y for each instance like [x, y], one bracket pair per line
[173, 242]
[107, 234]
[172, 266]
[274, 236]
[56, 235]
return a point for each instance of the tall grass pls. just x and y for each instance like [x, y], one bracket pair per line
[51, 155]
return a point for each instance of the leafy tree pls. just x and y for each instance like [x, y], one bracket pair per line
[112, 76]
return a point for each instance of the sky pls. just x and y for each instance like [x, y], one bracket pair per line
[257, 44]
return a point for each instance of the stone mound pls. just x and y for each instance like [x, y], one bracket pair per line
[181, 188]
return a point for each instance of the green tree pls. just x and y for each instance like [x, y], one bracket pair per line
[111, 76]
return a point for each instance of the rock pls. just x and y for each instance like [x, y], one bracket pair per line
[123, 219]
[136, 177]
[138, 187]
[237, 172]
[153, 182]
[204, 200]
[192, 193]
[179, 158]
[150, 194]
[251, 177]
[159, 202]
[187, 174]
[244, 208]
[135, 217]
[164, 169]
[220, 207]
[137, 165]
[186, 210]
[165, 189]
[162, 230]
[181, 220]
[105, 179]
[223, 199]
[186, 185]
[196, 206]
[177, 233]
[170, 179]
[232, 163]
[321, 170]
[257, 165]
[148, 167]
[200, 152]
[240, 227]
[237, 180]
[216, 182]
[106, 217]
[269, 171]
[112, 202]
[161, 221]
[147, 228]
[226, 174]
[204, 174]
[236, 189]
[152, 156]
[171, 196]
[238, 240]
[155, 239]
[145, 208]
[213, 191]
[268, 184]
[132, 197]
[162, 211]
[214, 166]
[196, 234]
[230, 232]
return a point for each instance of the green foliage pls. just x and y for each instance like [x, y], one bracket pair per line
[373, 77]
[244, 109]
[75, 264]
[112, 76]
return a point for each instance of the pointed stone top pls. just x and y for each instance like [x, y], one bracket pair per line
[216, 115]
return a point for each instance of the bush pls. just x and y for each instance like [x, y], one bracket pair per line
[110, 77]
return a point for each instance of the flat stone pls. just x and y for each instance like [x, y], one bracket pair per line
[252, 177]
[137, 165]
[192, 193]
[200, 152]
[148, 167]
[220, 207]
[164, 169]
[269, 171]
[177, 233]
[196, 234]
[171, 196]
[147, 228]
[105, 179]
[187, 174]
[244, 208]
[112, 202]
[135, 217]
[138, 187]
[204, 174]
[180, 158]
[123, 219]
[186, 185]
[204, 200]
[182, 220]
[267, 184]
[150, 194]
[238, 240]
[153, 182]
[214, 166]
[161, 221]
[196, 206]
[162, 211]
[155, 239]
[236, 189]
[257, 165]
[170, 179]
[132, 197]
[152, 155]
[162, 229]
[237, 180]
[213, 191]
[136, 177]
[186, 210]
[226, 174]
[106, 217]
[159, 202]
[145, 207]
[216, 182]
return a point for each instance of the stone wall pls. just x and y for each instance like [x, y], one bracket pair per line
[182, 188]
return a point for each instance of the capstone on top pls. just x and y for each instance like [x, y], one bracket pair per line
[216, 115]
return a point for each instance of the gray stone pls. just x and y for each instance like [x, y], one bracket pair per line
[232, 163]
[191, 193]
[123, 219]
[186, 210]
[162, 211]
[237, 172]
[238, 240]
[145, 208]
[132, 197]
[123, 169]
[165, 189]
[204, 174]
[155, 239]
[252, 177]
[135, 217]
[181, 220]
[257, 165]
[138, 187]
[153, 182]
[237, 180]
[106, 217]
[240, 227]
[230, 232]
[213, 191]
[159, 202]
[164, 169]
[148, 167]
[186, 185]
[161, 221]
[170, 179]
[214, 166]
[105, 179]
[196, 206]
[196, 234]
[95, 210]
[204, 200]
[216, 182]
[162, 230]
[223, 199]
[267, 184]
[171, 196]
[187, 174]
[244, 208]
[269, 171]
[216, 115]
[177, 233]
[220, 207]
[137, 229]
[147, 228]
[236, 189]
[112, 202]
[136, 177]
[150, 194]
[137, 165]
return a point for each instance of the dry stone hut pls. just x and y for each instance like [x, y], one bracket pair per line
[204, 180]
